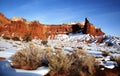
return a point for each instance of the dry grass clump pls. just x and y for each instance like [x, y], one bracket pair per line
[59, 63]
[79, 47]
[117, 59]
[83, 64]
[27, 58]
[79, 63]
[57, 47]
[105, 53]
[48, 49]
[80, 52]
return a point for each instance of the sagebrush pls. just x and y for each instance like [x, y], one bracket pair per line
[79, 63]
[83, 64]
[27, 58]
[116, 58]
[76, 63]
[59, 62]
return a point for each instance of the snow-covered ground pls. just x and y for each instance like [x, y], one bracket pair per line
[67, 43]
[7, 70]
[8, 48]
[93, 48]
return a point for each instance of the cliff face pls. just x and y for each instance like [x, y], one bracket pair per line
[20, 28]
[14, 29]
[3, 20]
[90, 29]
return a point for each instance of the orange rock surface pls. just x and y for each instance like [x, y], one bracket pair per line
[91, 29]
[20, 28]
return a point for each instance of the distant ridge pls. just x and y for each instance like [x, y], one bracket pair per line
[19, 27]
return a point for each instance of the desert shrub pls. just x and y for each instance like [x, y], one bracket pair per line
[44, 42]
[79, 47]
[83, 64]
[5, 37]
[79, 63]
[105, 53]
[27, 58]
[80, 51]
[48, 49]
[57, 48]
[116, 58]
[16, 38]
[59, 63]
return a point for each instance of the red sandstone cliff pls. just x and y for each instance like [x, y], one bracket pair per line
[18, 27]
[3, 20]
[91, 29]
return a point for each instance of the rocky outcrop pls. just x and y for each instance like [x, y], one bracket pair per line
[19, 27]
[91, 29]
[14, 29]
[3, 20]
[18, 19]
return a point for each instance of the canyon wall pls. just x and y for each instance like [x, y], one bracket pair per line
[91, 29]
[20, 28]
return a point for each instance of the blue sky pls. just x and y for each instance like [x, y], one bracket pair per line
[102, 13]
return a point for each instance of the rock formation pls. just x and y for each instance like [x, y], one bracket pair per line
[91, 29]
[3, 20]
[19, 27]
[17, 19]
